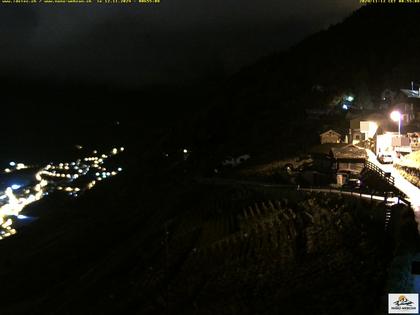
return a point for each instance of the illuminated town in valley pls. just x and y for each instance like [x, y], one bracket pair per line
[72, 178]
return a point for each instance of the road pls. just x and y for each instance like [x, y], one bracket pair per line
[72, 178]
[412, 192]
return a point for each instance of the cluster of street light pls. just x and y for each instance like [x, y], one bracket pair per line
[72, 178]
[15, 167]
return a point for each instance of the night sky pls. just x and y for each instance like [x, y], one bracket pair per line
[175, 41]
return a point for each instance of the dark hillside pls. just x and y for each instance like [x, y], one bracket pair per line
[375, 47]
[263, 106]
[162, 237]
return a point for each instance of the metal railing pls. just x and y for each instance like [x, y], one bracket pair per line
[390, 180]
[361, 193]
[384, 175]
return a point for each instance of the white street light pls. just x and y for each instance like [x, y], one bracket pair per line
[396, 116]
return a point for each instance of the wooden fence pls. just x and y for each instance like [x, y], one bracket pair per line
[386, 176]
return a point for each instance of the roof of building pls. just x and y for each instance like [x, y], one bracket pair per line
[331, 131]
[411, 93]
[349, 151]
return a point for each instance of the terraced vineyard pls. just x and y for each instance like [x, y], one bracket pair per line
[214, 248]
[239, 252]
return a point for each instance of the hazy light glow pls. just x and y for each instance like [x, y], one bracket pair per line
[395, 116]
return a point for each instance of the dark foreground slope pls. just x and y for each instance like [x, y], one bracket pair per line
[166, 244]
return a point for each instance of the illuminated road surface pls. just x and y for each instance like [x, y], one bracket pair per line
[72, 178]
[412, 192]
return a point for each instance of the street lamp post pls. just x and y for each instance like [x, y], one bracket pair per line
[396, 116]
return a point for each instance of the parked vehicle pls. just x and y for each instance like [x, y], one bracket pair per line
[385, 159]
[352, 183]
